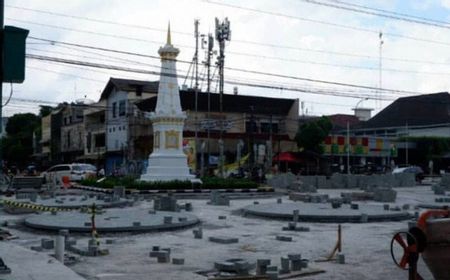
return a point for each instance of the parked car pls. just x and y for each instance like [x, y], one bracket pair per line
[75, 171]
[417, 170]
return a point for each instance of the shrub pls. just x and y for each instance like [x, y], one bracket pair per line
[208, 183]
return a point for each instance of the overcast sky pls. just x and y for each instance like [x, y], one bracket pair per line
[285, 37]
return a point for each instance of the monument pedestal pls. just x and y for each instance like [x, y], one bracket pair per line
[168, 167]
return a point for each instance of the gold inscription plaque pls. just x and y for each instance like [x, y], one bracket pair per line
[172, 139]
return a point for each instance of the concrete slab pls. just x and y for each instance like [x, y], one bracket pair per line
[30, 265]
[323, 212]
[113, 220]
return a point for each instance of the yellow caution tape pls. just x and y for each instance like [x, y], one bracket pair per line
[17, 204]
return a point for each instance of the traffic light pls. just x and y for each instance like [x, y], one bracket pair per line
[14, 54]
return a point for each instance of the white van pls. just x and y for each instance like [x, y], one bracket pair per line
[75, 171]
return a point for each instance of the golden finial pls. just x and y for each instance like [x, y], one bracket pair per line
[169, 39]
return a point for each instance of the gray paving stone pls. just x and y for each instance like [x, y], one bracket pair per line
[340, 258]
[284, 238]
[178, 261]
[47, 243]
[223, 239]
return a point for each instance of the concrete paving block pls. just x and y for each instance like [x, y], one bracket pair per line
[166, 250]
[225, 266]
[188, 207]
[4, 269]
[178, 261]
[285, 265]
[198, 233]
[284, 238]
[364, 218]
[304, 263]
[294, 257]
[272, 268]
[70, 241]
[445, 181]
[159, 254]
[296, 265]
[340, 258]
[36, 248]
[182, 219]
[292, 225]
[385, 195]
[110, 241]
[295, 215]
[168, 219]
[163, 259]
[223, 239]
[47, 243]
[261, 266]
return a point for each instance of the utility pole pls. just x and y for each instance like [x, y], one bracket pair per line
[196, 23]
[209, 52]
[223, 34]
[269, 150]
[380, 70]
[406, 144]
[2, 32]
[252, 141]
[348, 148]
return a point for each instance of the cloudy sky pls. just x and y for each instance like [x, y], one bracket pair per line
[280, 48]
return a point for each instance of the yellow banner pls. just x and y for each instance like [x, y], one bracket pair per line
[190, 151]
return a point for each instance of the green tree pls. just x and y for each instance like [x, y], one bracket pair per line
[311, 135]
[17, 146]
[45, 110]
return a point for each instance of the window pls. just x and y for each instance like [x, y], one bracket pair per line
[100, 140]
[265, 128]
[139, 90]
[251, 126]
[122, 108]
[114, 109]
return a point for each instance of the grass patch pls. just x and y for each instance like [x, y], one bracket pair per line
[208, 183]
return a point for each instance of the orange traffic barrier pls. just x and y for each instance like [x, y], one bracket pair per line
[66, 181]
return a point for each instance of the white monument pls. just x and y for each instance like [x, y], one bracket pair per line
[168, 162]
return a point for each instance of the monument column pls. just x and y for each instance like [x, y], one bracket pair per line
[167, 162]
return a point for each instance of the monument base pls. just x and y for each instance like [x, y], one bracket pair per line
[168, 167]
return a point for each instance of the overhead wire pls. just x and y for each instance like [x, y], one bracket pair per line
[253, 71]
[375, 13]
[246, 41]
[334, 24]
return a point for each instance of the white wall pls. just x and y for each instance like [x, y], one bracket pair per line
[116, 126]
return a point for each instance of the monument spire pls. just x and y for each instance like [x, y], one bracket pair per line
[169, 38]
